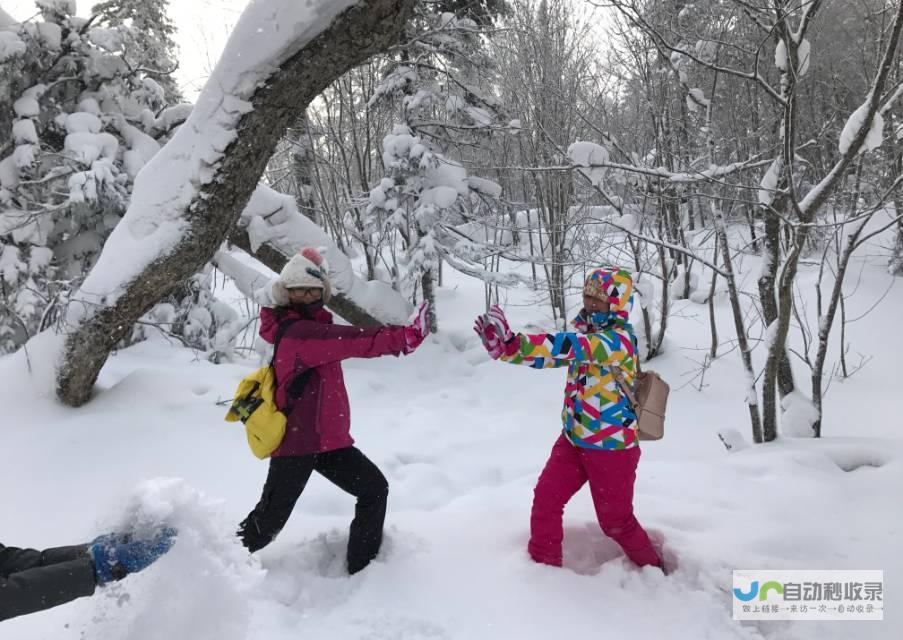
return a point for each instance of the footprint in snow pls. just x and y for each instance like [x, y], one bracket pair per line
[387, 626]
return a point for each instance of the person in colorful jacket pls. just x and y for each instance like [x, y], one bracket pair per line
[599, 442]
[310, 390]
[32, 580]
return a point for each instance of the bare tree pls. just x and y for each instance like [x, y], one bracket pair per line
[807, 207]
[731, 44]
[547, 70]
[854, 239]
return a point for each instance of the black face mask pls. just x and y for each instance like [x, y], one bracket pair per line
[308, 309]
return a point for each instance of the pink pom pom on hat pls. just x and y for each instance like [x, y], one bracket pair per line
[312, 254]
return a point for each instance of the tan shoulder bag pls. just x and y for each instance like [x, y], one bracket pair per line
[648, 400]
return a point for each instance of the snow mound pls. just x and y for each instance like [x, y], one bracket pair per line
[204, 580]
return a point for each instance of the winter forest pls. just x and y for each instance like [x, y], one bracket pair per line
[741, 160]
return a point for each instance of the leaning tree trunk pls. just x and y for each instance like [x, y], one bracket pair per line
[354, 35]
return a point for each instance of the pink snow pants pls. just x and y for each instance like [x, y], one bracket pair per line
[611, 475]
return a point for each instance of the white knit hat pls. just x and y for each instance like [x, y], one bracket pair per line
[307, 268]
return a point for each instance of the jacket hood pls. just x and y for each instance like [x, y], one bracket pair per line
[614, 284]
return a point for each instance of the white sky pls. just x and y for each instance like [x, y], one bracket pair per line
[204, 26]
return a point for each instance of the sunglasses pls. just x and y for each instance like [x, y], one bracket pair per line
[304, 290]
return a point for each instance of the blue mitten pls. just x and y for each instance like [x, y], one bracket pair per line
[107, 538]
[115, 555]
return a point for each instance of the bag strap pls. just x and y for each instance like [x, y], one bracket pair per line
[280, 332]
[636, 351]
[625, 388]
[618, 373]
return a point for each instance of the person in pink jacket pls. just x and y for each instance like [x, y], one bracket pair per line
[310, 390]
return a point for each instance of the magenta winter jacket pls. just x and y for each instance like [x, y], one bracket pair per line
[310, 355]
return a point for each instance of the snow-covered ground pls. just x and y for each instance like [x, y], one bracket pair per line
[461, 440]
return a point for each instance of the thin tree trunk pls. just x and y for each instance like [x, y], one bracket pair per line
[773, 251]
[655, 349]
[896, 262]
[713, 350]
[303, 166]
[429, 294]
[826, 322]
[737, 309]
[751, 220]
[843, 337]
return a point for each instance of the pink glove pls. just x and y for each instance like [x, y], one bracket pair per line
[416, 332]
[489, 334]
[497, 318]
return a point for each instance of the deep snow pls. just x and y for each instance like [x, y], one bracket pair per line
[461, 440]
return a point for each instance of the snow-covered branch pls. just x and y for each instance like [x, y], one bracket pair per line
[273, 218]
[667, 50]
[810, 7]
[677, 177]
[246, 277]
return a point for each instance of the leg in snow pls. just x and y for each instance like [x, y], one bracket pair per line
[285, 481]
[353, 472]
[611, 478]
[561, 478]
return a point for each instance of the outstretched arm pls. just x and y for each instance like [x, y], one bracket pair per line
[603, 348]
[317, 343]
[501, 343]
[32, 580]
[312, 344]
[519, 350]
[549, 350]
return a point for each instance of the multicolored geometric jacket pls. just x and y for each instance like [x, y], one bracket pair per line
[596, 414]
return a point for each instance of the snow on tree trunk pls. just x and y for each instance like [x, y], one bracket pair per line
[279, 57]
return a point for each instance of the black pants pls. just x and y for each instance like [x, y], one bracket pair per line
[348, 469]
